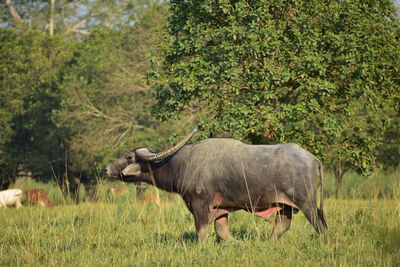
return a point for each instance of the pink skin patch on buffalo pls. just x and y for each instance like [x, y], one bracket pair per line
[215, 211]
[266, 214]
[217, 199]
[282, 200]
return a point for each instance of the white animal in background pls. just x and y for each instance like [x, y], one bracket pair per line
[11, 197]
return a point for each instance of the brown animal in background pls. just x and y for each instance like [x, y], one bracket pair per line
[116, 192]
[38, 196]
[151, 197]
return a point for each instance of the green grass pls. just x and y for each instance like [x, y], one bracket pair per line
[364, 230]
[130, 232]
[378, 185]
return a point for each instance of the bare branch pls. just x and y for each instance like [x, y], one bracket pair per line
[76, 27]
[14, 14]
[82, 32]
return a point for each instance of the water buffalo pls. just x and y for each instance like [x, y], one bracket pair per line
[217, 176]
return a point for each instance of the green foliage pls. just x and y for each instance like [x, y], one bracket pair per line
[106, 103]
[74, 104]
[389, 153]
[323, 74]
[31, 65]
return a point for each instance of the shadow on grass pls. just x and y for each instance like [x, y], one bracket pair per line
[163, 238]
[245, 234]
[388, 239]
[191, 237]
[188, 237]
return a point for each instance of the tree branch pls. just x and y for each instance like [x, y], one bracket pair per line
[14, 14]
[76, 27]
[82, 32]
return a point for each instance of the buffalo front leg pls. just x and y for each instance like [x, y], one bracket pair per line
[282, 223]
[222, 228]
[201, 220]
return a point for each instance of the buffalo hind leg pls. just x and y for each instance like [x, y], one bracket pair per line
[315, 217]
[282, 223]
[222, 228]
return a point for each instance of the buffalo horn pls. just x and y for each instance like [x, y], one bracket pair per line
[145, 155]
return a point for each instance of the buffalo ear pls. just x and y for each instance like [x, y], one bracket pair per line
[131, 170]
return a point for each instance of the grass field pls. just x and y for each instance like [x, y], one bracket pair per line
[131, 232]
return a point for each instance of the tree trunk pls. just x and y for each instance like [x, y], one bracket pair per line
[51, 17]
[338, 179]
[339, 169]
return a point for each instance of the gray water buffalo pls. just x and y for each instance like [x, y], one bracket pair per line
[217, 176]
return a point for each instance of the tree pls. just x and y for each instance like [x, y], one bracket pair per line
[106, 102]
[48, 59]
[31, 65]
[389, 153]
[71, 18]
[312, 72]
